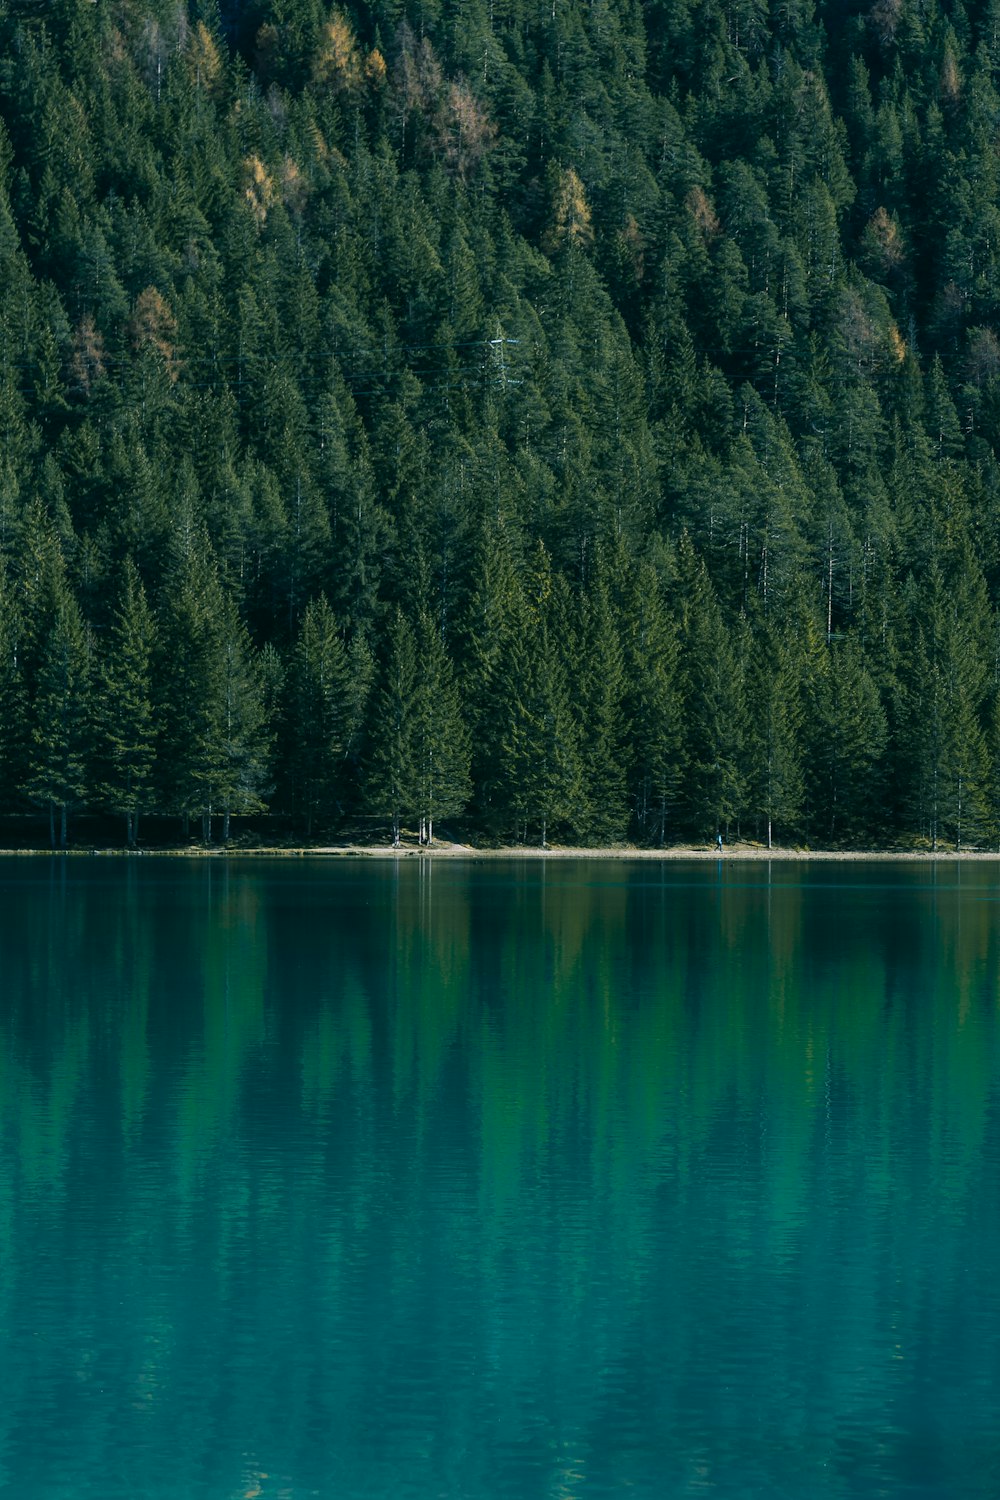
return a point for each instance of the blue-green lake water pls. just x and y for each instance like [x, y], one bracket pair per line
[357, 1178]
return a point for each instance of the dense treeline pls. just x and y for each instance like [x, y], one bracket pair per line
[580, 418]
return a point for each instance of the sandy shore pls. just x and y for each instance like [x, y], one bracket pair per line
[444, 850]
[734, 852]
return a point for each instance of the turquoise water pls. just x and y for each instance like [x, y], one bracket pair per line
[511, 1179]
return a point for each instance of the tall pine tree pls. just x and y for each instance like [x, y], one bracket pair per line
[126, 730]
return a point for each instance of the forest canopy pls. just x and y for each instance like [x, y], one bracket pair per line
[577, 420]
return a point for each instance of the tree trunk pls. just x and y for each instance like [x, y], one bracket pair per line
[934, 809]
[52, 824]
[544, 825]
[829, 587]
[62, 825]
[225, 826]
[430, 832]
[395, 832]
[206, 827]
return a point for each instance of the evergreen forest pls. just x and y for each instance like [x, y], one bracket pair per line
[547, 419]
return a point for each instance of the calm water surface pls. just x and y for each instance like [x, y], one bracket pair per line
[533, 1179]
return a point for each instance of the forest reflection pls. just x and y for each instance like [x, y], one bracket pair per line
[625, 1006]
[534, 1088]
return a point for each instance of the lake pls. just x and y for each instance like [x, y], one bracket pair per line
[366, 1178]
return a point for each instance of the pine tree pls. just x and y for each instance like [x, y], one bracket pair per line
[598, 699]
[441, 740]
[236, 771]
[714, 712]
[320, 718]
[189, 676]
[391, 787]
[359, 524]
[945, 686]
[59, 717]
[12, 695]
[126, 730]
[493, 623]
[848, 735]
[775, 716]
[539, 742]
[993, 763]
[653, 704]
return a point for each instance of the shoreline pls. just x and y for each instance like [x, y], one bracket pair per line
[736, 853]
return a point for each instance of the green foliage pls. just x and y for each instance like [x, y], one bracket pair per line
[236, 771]
[320, 718]
[126, 730]
[539, 739]
[441, 740]
[653, 704]
[599, 702]
[715, 709]
[213, 704]
[58, 715]
[848, 734]
[392, 763]
[625, 378]
[777, 780]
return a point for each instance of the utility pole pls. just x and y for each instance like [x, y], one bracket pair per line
[496, 360]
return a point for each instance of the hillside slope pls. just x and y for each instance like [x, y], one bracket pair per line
[577, 418]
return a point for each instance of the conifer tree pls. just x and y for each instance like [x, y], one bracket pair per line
[775, 719]
[653, 704]
[598, 697]
[320, 718]
[441, 740]
[59, 717]
[848, 734]
[391, 787]
[540, 748]
[948, 753]
[992, 788]
[12, 695]
[39, 577]
[236, 769]
[126, 730]
[190, 679]
[541, 773]
[494, 621]
[715, 704]
[945, 685]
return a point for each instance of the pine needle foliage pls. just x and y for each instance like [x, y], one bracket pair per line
[546, 423]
